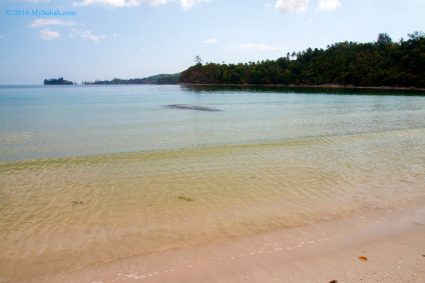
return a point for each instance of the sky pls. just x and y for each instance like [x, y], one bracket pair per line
[85, 40]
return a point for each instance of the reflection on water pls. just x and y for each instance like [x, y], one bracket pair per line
[92, 175]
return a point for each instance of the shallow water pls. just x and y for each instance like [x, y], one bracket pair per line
[90, 175]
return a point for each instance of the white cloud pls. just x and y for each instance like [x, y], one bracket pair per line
[263, 47]
[156, 2]
[48, 22]
[329, 5]
[87, 34]
[187, 4]
[113, 3]
[292, 6]
[210, 41]
[47, 34]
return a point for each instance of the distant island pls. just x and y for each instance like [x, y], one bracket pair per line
[383, 63]
[59, 81]
[162, 79]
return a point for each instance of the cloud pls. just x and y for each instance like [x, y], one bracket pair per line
[156, 2]
[263, 47]
[47, 34]
[48, 22]
[210, 41]
[87, 34]
[292, 6]
[301, 6]
[113, 3]
[329, 5]
[187, 4]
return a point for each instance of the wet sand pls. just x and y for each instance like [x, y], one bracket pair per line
[182, 215]
[378, 246]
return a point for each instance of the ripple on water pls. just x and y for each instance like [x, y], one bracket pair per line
[63, 214]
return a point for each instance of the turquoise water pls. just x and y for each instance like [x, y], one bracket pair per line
[42, 122]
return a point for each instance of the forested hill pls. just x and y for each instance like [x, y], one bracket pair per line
[161, 79]
[380, 63]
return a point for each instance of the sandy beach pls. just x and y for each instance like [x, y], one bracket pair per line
[379, 246]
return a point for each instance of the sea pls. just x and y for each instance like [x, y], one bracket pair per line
[90, 175]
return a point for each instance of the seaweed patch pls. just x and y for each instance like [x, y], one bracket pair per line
[193, 107]
[185, 198]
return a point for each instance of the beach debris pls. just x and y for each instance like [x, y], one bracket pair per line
[77, 202]
[333, 281]
[185, 198]
[193, 107]
[363, 258]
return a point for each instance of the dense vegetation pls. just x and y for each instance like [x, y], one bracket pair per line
[59, 81]
[380, 63]
[162, 79]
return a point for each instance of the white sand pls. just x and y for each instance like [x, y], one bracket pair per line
[393, 241]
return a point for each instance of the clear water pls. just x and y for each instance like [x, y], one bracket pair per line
[90, 175]
[43, 122]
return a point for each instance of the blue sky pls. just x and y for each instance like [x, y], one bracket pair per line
[137, 38]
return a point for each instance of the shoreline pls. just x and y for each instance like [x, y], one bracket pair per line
[324, 86]
[384, 245]
[301, 87]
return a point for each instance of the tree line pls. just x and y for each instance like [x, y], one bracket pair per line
[58, 81]
[380, 63]
[162, 79]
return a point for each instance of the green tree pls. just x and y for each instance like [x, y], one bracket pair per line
[198, 60]
[384, 38]
[380, 63]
